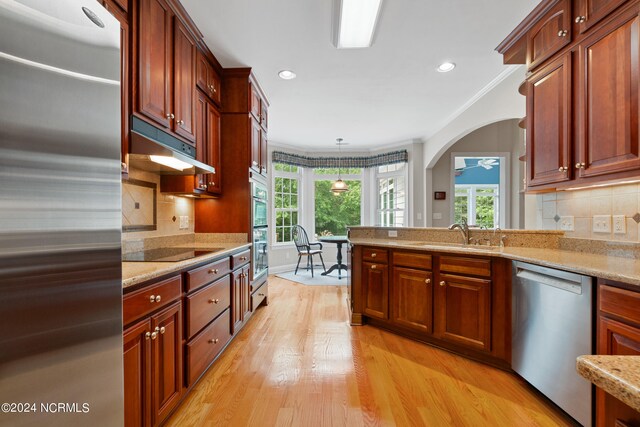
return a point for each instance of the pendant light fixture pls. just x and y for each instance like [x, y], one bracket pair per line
[339, 186]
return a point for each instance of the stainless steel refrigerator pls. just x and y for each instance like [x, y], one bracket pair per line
[60, 215]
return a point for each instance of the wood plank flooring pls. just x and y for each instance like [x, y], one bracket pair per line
[299, 363]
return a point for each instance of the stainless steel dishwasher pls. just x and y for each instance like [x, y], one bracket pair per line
[552, 325]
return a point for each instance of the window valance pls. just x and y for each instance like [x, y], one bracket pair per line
[400, 156]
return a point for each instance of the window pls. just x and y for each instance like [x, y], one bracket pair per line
[334, 213]
[478, 204]
[392, 204]
[285, 200]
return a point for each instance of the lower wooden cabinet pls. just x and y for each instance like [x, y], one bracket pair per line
[240, 299]
[375, 286]
[205, 347]
[618, 334]
[153, 367]
[412, 299]
[463, 313]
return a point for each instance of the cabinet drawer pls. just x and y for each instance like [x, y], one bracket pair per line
[551, 33]
[412, 259]
[621, 303]
[207, 304]
[144, 301]
[240, 259]
[375, 255]
[259, 295]
[462, 265]
[207, 345]
[207, 274]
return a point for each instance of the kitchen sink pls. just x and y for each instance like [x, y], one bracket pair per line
[436, 245]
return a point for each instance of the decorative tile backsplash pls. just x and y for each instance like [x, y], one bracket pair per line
[604, 213]
[169, 209]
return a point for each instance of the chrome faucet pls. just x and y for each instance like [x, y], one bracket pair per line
[464, 229]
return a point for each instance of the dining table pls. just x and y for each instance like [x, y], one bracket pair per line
[339, 241]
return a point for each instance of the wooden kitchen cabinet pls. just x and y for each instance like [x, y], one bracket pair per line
[549, 123]
[609, 97]
[375, 290]
[550, 33]
[207, 79]
[618, 334]
[241, 299]
[152, 353]
[582, 96]
[166, 70]
[256, 141]
[412, 299]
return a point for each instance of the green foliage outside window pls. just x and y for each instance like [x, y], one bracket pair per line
[335, 212]
[334, 171]
[286, 207]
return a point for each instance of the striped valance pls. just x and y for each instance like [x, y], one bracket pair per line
[400, 156]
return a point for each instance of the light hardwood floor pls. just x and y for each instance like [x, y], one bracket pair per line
[299, 363]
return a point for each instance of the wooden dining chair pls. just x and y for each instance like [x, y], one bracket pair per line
[306, 248]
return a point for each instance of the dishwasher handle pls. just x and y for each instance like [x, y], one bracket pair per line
[553, 281]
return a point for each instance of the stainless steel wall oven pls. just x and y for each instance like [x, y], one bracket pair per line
[260, 230]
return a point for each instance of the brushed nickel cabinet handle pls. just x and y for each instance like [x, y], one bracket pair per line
[427, 281]
[181, 122]
[214, 341]
[152, 298]
[373, 255]
[214, 301]
[563, 169]
[260, 295]
[443, 283]
[147, 335]
[158, 298]
[213, 271]
[562, 33]
[162, 330]
[373, 267]
[243, 258]
[154, 335]
[580, 19]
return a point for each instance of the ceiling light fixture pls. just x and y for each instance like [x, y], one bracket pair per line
[170, 162]
[287, 75]
[339, 186]
[355, 22]
[445, 67]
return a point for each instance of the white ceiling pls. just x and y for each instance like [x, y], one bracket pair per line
[373, 97]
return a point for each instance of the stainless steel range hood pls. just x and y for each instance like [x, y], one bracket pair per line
[147, 140]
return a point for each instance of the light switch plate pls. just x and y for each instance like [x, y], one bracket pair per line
[567, 223]
[393, 233]
[602, 223]
[437, 215]
[619, 224]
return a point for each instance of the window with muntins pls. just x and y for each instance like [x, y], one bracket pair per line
[286, 200]
[392, 195]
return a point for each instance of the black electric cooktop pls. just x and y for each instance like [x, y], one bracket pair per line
[167, 254]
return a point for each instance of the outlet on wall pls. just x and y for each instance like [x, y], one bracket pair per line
[619, 224]
[567, 223]
[437, 215]
[184, 222]
[602, 223]
[393, 233]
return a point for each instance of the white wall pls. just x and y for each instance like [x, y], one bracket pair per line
[500, 137]
[501, 101]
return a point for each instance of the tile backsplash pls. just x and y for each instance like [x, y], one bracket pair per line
[584, 205]
[169, 209]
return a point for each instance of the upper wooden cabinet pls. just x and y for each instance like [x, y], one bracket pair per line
[583, 91]
[549, 123]
[609, 96]
[207, 79]
[550, 34]
[165, 69]
[589, 12]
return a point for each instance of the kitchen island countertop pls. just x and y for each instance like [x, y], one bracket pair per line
[617, 375]
[138, 272]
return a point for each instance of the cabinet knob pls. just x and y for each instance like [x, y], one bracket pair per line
[373, 267]
[162, 330]
[213, 271]
[170, 116]
[213, 88]
[562, 33]
[211, 183]
[147, 335]
[443, 283]
[563, 169]
[203, 186]
[158, 298]
[373, 255]
[214, 301]
[155, 298]
[181, 122]
[214, 341]
[154, 335]
[243, 258]
[580, 19]
[260, 295]
[580, 165]
[427, 281]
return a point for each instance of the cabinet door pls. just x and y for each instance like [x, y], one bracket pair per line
[256, 139]
[184, 82]
[548, 124]
[246, 294]
[236, 301]
[214, 84]
[167, 361]
[549, 34]
[254, 102]
[263, 153]
[137, 374]
[589, 12]
[412, 299]
[202, 72]
[616, 338]
[214, 180]
[202, 140]
[463, 311]
[609, 94]
[154, 61]
[264, 116]
[375, 289]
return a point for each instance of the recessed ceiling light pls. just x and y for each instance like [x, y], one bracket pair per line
[287, 74]
[445, 67]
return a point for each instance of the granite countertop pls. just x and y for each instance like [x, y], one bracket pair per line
[620, 269]
[617, 375]
[138, 272]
